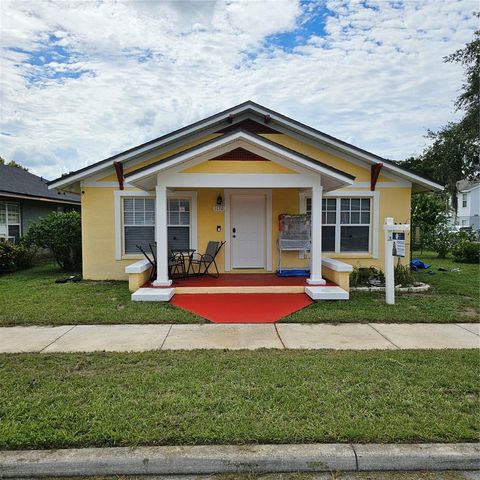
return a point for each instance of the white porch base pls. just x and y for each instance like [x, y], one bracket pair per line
[162, 283]
[146, 294]
[153, 294]
[326, 293]
[321, 281]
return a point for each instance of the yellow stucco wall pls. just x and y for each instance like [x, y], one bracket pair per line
[98, 226]
[235, 166]
[98, 236]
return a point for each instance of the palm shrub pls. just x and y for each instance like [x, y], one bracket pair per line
[403, 275]
[61, 233]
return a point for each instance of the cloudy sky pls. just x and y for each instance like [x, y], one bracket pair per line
[82, 80]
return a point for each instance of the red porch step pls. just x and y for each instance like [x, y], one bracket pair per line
[245, 308]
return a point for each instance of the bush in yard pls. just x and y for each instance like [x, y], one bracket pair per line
[61, 233]
[366, 277]
[467, 252]
[442, 240]
[14, 257]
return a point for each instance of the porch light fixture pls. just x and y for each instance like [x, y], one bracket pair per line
[219, 200]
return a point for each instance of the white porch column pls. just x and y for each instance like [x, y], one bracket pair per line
[161, 236]
[316, 247]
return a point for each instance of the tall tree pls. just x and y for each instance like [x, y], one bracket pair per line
[454, 152]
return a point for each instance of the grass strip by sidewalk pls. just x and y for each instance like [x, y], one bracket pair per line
[216, 397]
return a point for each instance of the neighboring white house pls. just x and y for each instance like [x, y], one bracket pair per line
[468, 204]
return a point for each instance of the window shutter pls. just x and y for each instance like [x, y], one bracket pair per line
[178, 238]
[136, 235]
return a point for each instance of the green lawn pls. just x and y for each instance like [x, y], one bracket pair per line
[217, 397]
[453, 297]
[31, 297]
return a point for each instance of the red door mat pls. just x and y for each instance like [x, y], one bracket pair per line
[242, 307]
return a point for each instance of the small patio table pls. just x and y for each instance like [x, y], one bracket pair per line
[187, 253]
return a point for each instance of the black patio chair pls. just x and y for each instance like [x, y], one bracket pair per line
[205, 261]
[152, 259]
[176, 265]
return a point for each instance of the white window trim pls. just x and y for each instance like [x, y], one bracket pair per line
[374, 222]
[118, 209]
[7, 223]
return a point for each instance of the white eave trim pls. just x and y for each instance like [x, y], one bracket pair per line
[245, 136]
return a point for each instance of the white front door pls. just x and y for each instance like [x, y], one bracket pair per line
[248, 231]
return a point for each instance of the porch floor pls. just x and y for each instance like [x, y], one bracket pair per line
[240, 283]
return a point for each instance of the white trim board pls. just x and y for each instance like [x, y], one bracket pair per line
[228, 192]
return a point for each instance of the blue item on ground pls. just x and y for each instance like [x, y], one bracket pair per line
[417, 264]
[293, 272]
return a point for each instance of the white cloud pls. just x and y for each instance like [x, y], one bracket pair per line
[375, 77]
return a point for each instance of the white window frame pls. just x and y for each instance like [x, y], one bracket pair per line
[464, 200]
[118, 220]
[8, 223]
[192, 198]
[124, 225]
[374, 220]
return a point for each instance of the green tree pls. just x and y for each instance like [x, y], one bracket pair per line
[454, 152]
[61, 233]
[429, 213]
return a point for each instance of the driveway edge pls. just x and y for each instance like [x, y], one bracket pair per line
[203, 459]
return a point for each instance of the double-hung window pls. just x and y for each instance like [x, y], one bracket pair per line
[354, 224]
[10, 220]
[179, 223]
[138, 223]
[346, 224]
[329, 220]
[464, 200]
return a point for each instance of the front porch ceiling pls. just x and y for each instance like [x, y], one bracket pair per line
[308, 171]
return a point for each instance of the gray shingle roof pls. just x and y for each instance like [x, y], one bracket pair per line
[463, 185]
[15, 180]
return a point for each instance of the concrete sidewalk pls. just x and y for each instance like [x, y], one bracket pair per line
[138, 338]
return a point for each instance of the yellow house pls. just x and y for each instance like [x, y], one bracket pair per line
[228, 178]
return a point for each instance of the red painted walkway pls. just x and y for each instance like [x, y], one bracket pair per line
[244, 307]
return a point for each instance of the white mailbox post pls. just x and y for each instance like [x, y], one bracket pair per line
[389, 228]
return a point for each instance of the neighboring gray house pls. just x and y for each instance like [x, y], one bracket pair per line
[468, 204]
[25, 198]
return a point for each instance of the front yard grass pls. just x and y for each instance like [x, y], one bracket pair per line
[31, 297]
[453, 297]
[218, 397]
